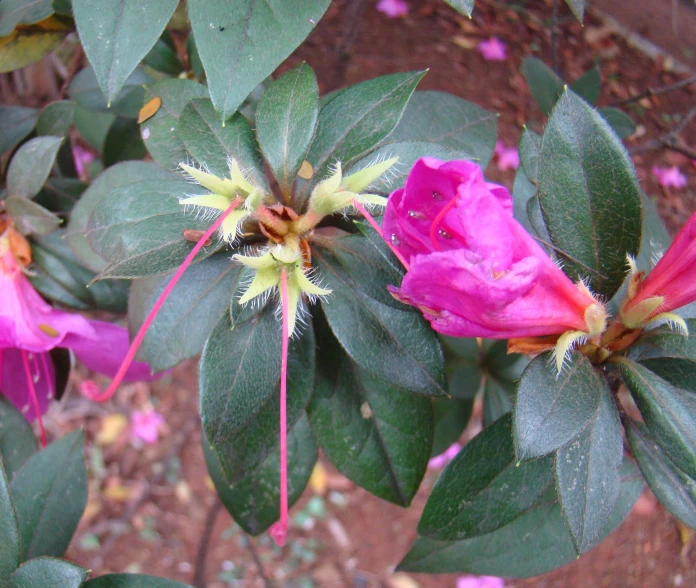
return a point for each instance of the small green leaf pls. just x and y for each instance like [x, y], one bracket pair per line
[285, 121]
[50, 493]
[589, 195]
[241, 43]
[60, 194]
[618, 120]
[17, 440]
[30, 217]
[16, 123]
[55, 119]
[530, 145]
[577, 7]
[9, 530]
[254, 502]
[118, 35]
[132, 581]
[93, 126]
[552, 409]
[589, 84]
[48, 571]
[163, 56]
[523, 192]
[498, 399]
[31, 165]
[123, 142]
[465, 7]
[451, 418]
[546, 87]
[85, 90]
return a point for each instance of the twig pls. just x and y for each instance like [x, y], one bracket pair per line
[204, 544]
[671, 140]
[257, 560]
[656, 91]
[72, 71]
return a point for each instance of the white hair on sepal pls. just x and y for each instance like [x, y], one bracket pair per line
[196, 165]
[567, 353]
[656, 254]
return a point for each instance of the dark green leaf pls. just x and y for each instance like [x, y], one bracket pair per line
[60, 194]
[241, 43]
[397, 346]
[669, 413]
[577, 7]
[465, 7]
[589, 195]
[93, 126]
[163, 57]
[498, 399]
[9, 530]
[189, 314]
[48, 571]
[160, 132]
[376, 434]
[618, 120]
[551, 410]
[194, 57]
[118, 35]
[16, 123]
[85, 90]
[254, 501]
[522, 193]
[678, 372]
[675, 490]
[466, 379]
[546, 87]
[535, 543]
[587, 474]
[664, 342]
[56, 118]
[483, 488]
[123, 142]
[589, 84]
[132, 581]
[17, 441]
[530, 145]
[451, 418]
[30, 217]
[22, 12]
[285, 121]
[31, 165]
[50, 493]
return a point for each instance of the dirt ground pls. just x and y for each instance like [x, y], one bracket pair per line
[148, 505]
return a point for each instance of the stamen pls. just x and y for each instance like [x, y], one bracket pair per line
[279, 530]
[33, 397]
[376, 227]
[135, 345]
[435, 227]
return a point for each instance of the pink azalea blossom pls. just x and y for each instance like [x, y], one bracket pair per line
[507, 157]
[440, 461]
[493, 49]
[82, 158]
[480, 582]
[473, 269]
[145, 425]
[393, 8]
[670, 177]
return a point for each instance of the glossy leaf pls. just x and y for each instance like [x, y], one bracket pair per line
[674, 489]
[465, 7]
[451, 418]
[123, 142]
[285, 121]
[254, 502]
[618, 120]
[118, 35]
[132, 581]
[85, 90]
[483, 488]
[30, 217]
[22, 12]
[587, 474]
[546, 87]
[48, 571]
[589, 195]
[50, 494]
[17, 440]
[31, 165]
[550, 410]
[9, 529]
[530, 145]
[56, 118]
[16, 123]
[589, 84]
[669, 413]
[234, 42]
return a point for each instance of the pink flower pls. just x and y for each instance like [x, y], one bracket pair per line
[82, 157]
[493, 49]
[145, 425]
[393, 8]
[30, 328]
[473, 269]
[480, 582]
[670, 177]
[440, 461]
[507, 157]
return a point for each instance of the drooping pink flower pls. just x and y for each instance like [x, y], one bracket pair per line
[506, 157]
[393, 8]
[440, 461]
[473, 269]
[480, 582]
[493, 49]
[145, 425]
[670, 177]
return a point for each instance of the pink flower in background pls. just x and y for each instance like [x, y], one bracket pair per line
[473, 269]
[670, 177]
[146, 425]
[82, 157]
[480, 582]
[440, 461]
[493, 49]
[393, 8]
[507, 157]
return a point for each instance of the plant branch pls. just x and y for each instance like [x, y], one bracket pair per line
[656, 91]
[72, 70]
[671, 140]
[204, 544]
[257, 560]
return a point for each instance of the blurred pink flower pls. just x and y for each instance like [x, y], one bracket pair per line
[82, 157]
[507, 157]
[493, 49]
[145, 425]
[440, 461]
[669, 177]
[480, 582]
[393, 8]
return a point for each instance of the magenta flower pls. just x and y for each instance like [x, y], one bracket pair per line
[472, 268]
[670, 177]
[82, 158]
[30, 328]
[493, 49]
[145, 425]
[440, 461]
[480, 582]
[393, 8]
[507, 157]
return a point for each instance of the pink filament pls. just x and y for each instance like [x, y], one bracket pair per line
[32, 395]
[436, 223]
[135, 345]
[279, 530]
[49, 379]
[376, 227]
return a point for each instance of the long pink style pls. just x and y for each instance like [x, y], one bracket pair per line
[279, 530]
[135, 345]
[373, 223]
